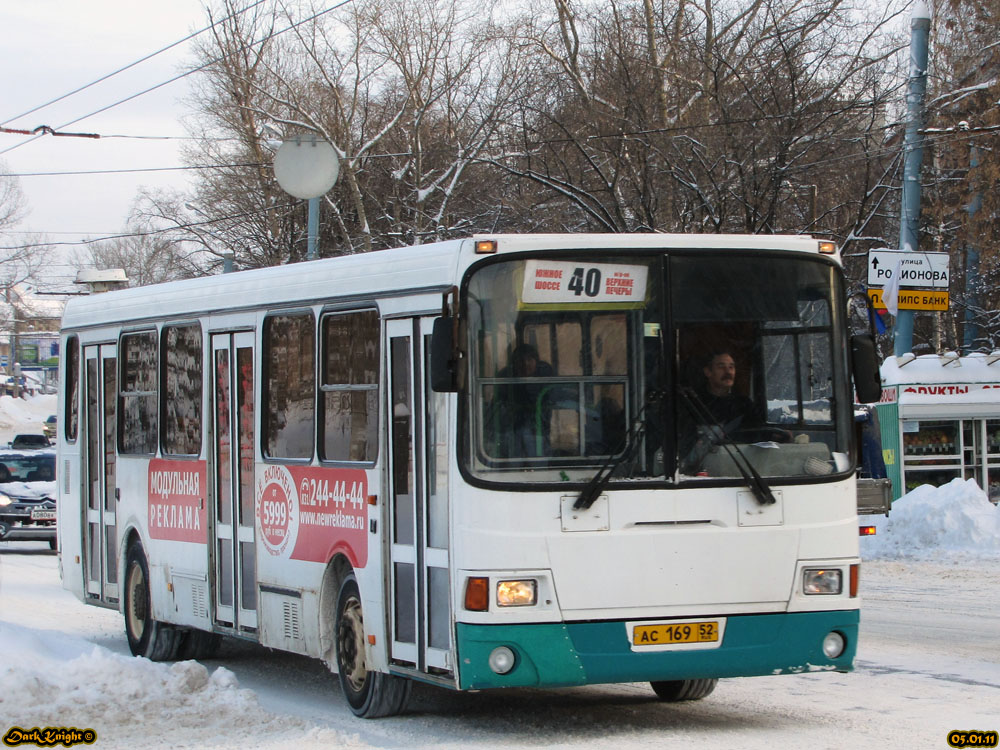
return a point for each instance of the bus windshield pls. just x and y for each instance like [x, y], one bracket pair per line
[673, 368]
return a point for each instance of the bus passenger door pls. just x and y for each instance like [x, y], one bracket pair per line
[100, 426]
[420, 616]
[235, 573]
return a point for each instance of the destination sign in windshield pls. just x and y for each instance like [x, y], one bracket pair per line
[561, 282]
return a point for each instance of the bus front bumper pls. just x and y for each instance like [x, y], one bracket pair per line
[582, 653]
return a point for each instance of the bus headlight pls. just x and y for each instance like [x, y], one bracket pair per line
[517, 593]
[822, 581]
[4, 500]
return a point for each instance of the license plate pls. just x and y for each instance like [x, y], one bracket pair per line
[41, 514]
[675, 633]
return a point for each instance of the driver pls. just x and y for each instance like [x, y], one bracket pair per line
[729, 412]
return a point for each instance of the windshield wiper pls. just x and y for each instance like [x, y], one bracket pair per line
[622, 453]
[746, 468]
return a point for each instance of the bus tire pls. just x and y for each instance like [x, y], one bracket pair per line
[198, 644]
[673, 691]
[147, 637]
[369, 694]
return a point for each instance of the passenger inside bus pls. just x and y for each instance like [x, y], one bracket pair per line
[521, 410]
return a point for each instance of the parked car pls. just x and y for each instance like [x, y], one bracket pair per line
[49, 426]
[28, 496]
[27, 442]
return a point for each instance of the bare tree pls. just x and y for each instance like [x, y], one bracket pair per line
[411, 94]
[20, 260]
[702, 116]
[624, 115]
[961, 212]
[146, 258]
[12, 208]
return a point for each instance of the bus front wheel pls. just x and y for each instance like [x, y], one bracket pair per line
[683, 690]
[370, 694]
[147, 637]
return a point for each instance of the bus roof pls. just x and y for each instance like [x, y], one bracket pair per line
[430, 267]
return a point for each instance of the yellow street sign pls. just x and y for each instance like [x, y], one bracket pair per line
[913, 299]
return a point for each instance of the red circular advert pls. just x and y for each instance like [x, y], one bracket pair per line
[276, 509]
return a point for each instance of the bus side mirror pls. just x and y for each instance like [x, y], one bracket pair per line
[443, 362]
[864, 359]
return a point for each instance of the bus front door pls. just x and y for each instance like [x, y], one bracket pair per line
[419, 582]
[234, 581]
[100, 427]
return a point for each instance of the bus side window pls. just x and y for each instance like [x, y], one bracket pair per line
[350, 369]
[181, 393]
[289, 387]
[137, 430]
[72, 388]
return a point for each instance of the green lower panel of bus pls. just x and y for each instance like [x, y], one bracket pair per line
[563, 654]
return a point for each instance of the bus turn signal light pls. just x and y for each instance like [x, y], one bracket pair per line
[866, 530]
[477, 594]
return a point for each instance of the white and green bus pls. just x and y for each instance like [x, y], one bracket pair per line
[495, 462]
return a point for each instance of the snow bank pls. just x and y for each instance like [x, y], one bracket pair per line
[928, 523]
[48, 676]
[19, 415]
[51, 678]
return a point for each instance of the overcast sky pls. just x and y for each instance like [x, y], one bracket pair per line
[52, 47]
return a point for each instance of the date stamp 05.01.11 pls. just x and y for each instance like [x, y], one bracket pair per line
[972, 738]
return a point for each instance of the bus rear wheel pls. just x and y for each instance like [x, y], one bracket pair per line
[370, 694]
[147, 637]
[673, 691]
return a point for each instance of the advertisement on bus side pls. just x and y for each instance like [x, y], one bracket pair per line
[310, 513]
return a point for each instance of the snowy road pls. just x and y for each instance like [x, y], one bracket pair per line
[934, 608]
[929, 662]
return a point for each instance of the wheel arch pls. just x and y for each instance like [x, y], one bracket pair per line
[337, 570]
[130, 539]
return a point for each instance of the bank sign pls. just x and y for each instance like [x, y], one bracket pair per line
[916, 270]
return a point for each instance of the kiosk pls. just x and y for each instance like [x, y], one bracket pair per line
[940, 420]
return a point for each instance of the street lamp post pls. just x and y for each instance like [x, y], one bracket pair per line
[307, 167]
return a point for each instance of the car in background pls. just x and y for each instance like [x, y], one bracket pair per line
[28, 496]
[29, 442]
[49, 426]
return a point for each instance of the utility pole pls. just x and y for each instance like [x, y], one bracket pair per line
[970, 333]
[913, 149]
[12, 344]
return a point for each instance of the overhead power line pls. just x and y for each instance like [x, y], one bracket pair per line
[132, 64]
[65, 173]
[193, 225]
[178, 77]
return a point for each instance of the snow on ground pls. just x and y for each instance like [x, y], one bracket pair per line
[63, 664]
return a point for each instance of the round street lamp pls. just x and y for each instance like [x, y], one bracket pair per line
[306, 167]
